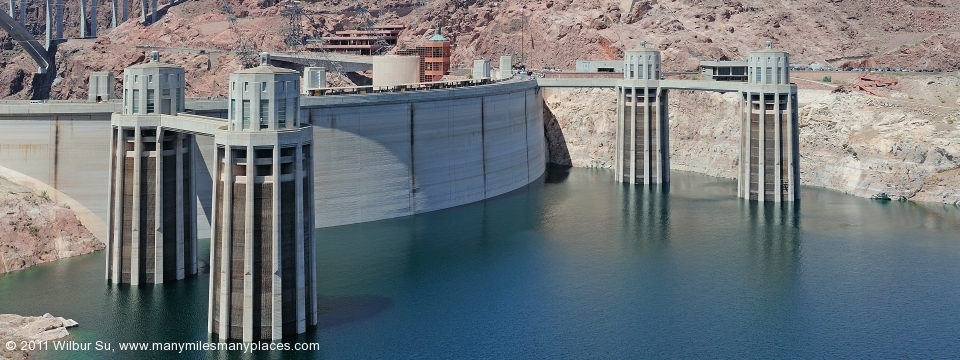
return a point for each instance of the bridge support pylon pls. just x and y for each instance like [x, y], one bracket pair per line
[93, 19]
[152, 197]
[769, 167]
[643, 143]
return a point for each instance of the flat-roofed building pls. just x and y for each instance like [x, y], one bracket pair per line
[364, 42]
[724, 70]
[592, 66]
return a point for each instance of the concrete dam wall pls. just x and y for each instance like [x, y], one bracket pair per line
[394, 154]
[377, 156]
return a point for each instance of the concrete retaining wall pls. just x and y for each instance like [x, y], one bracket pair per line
[377, 156]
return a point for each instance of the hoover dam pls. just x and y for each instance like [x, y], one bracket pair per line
[420, 151]
[308, 203]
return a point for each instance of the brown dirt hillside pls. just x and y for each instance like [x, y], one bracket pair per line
[894, 33]
[903, 144]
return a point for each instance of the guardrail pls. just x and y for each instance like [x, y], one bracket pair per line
[356, 90]
[68, 101]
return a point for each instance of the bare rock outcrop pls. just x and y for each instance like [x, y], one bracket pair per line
[20, 329]
[35, 230]
[906, 149]
[867, 146]
[555, 33]
[581, 126]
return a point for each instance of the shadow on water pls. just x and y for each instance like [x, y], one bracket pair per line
[557, 174]
[334, 311]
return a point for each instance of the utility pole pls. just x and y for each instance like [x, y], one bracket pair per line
[523, 61]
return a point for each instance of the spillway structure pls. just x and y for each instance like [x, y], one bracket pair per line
[152, 220]
[262, 255]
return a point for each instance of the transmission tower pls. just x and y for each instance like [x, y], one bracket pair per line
[245, 50]
[337, 67]
[367, 24]
[293, 30]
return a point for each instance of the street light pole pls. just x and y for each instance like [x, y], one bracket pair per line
[523, 60]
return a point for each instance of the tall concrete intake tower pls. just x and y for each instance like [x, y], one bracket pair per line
[643, 151]
[769, 167]
[769, 130]
[262, 259]
[262, 256]
[152, 202]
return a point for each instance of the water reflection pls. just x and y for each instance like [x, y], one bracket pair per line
[580, 267]
[774, 237]
[450, 238]
[645, 212]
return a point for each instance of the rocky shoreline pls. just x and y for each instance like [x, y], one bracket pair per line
[22, 330]
[34, 229]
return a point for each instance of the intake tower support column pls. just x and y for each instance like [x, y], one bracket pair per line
[152, 235]
[262, 257]
[769, 130]
[643, 151]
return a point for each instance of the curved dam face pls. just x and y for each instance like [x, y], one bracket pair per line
[377, 156]
[386, 155]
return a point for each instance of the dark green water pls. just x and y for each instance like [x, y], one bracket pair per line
[582, 268]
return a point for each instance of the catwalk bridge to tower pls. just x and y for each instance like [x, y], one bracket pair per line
[769, 131]
[262, 254]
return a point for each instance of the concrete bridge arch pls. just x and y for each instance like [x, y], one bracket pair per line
[23, 37]
[41, 53]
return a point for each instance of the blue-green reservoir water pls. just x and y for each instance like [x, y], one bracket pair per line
[582, 267]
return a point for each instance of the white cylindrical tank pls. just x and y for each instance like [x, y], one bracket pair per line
[395, 70]
[481, 69]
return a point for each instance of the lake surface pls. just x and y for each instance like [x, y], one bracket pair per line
[581, 267]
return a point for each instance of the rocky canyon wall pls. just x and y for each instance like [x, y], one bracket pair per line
[851, 142]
